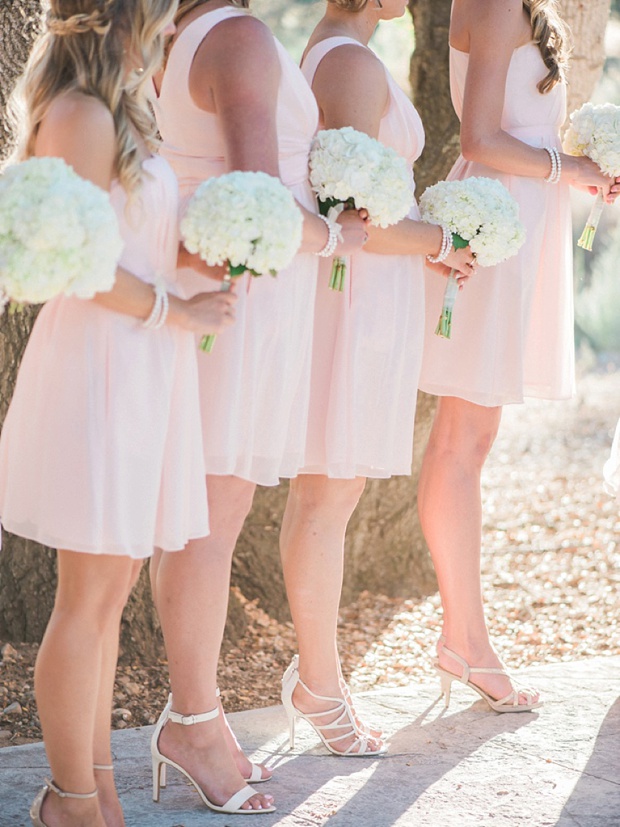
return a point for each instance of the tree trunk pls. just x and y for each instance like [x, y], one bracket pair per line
[587, 22]
[385, 550]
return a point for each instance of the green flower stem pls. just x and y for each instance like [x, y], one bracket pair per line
[339, 271]
[207, 342]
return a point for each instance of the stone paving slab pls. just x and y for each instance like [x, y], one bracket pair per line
[464, 767]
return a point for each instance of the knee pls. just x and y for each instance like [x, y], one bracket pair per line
[317, 494]
[465, 439]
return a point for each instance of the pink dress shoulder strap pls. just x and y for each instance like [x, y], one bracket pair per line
[316, 54]
[186, 45]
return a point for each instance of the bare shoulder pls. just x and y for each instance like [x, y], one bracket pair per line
[80, 129]
[351, 64]
[496, 24]
[244, 38]
[351, 88]
[76, 113]
[351, 71]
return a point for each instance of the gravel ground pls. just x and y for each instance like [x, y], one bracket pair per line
[550, 570]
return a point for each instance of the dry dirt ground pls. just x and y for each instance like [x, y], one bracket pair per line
[550, 569]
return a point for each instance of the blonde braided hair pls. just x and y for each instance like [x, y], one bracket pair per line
[84, 49]
[98, 21]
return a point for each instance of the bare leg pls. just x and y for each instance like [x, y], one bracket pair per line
[70, 673]
[102, 755]
[312, 548]
[450, 506]
[191, 592]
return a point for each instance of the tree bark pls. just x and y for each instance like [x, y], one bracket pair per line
[587, 22]
[385, 550]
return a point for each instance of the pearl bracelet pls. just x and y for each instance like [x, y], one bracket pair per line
[444, 250]
[159, 312]
[556, 165]
[332, 238]
[164, 311]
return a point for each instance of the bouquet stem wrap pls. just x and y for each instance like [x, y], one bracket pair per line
[444, 325]
[587, 236]
[331, 209]
[207, 342]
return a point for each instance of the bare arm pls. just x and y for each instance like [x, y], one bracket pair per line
[493, 29]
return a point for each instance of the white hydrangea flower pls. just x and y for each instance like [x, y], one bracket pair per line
[479, 210]
[247, 219]
[349, 165]
[594, 131]
[58, 233]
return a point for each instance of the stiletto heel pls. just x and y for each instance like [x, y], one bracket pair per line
[508, 704]
[343, 720]
[291, 727]
[159, 762]
[50, 787]
[446, 686]
[256, 772]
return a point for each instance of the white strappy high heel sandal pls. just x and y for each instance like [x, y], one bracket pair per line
[362, 726]
[510, 703]
[50, 787]
[344, 720]
[234, 805]
[256, 773]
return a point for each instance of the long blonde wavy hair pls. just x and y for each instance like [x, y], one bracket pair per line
[185, 6]
[84, 48]
[552, 37]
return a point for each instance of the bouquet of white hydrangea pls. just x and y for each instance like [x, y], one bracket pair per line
[246, 220]
[479, 212]
[58, 234]
[350, 169]
[594, 131]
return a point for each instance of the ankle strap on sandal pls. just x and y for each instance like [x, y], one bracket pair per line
[189, 720]
[62, 794]
[103, 767]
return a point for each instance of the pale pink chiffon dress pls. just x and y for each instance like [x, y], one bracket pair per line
[368, 340]
[255, 383]
[98, 449]
[512, 330]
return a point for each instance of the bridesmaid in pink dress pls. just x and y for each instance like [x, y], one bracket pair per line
[366, 361]
[94, 458]
[513, 326]
[231, 98]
